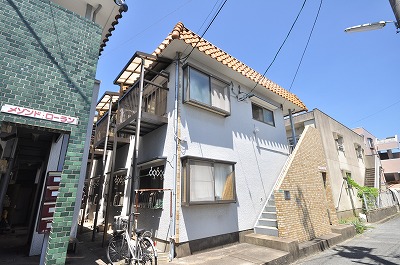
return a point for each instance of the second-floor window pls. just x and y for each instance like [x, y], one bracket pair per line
[263, 114]
[206, 91]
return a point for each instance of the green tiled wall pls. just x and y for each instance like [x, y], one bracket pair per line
[48, 58]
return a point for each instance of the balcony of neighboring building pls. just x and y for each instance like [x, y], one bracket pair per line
[387, 144]
[391, 165]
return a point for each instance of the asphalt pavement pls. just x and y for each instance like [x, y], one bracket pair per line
[380, 244]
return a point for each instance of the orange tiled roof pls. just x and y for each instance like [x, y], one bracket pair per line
[182, 33]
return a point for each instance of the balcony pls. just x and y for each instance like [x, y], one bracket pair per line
[154, 107]
[387, 144]
[106, 103]
[391, 165]
[148, 71]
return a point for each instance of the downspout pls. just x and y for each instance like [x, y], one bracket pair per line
[293, 129]
[100, 195]
[173, 217]
[135, 178]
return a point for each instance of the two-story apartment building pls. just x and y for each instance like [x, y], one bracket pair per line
[48, 57]
[201, 138]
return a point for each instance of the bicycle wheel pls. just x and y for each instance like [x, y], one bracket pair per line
[148, 252]
[118, 251]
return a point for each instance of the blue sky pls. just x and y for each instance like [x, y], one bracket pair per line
[351, 77]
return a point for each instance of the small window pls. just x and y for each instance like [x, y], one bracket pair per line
[206, 91]
[359, 151]
[205, 181]
[263, 114]
[340, 143]
[370, 143]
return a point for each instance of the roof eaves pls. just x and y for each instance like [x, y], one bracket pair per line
[111, 29]
[182, 33]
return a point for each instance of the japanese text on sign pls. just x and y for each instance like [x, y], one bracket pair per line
[22, 111]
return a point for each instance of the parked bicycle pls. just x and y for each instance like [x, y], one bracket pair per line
[123, 249]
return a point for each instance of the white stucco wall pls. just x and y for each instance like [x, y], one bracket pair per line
[259, 157]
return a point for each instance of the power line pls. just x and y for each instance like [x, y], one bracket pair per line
[209, 14]
[376, 112]
[276, 55]
[305, 48]
[209, 25]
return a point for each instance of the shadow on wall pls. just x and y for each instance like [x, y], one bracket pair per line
[304, 214]
[54, 61]
[207, 128]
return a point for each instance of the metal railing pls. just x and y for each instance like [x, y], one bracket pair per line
[154, 102]
[151, 198]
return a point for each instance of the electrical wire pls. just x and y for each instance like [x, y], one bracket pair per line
[305, 48]
[209, 14]
[277, 53]
[376, 112]
[201, 37]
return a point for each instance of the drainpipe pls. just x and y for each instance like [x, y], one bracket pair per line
[293, 129]
[173, 217]
[135, 178]
[103, 176]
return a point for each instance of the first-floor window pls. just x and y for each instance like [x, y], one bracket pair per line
[207, 181]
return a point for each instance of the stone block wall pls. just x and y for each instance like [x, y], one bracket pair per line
[48, 58]
[310, 211]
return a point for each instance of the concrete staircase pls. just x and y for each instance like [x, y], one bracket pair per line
[369, 177]
[267, 224]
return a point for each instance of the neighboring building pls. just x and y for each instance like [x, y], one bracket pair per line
[344, 152]
[303, 196]
[209, 150]
[389, 153]
[373, 168]
[48, 56]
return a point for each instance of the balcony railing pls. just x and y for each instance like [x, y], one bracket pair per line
[101, 129]
[151, 198]
[154, 107]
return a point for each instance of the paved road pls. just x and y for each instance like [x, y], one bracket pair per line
[379, 245]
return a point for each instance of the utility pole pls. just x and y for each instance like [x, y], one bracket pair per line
[395, 4]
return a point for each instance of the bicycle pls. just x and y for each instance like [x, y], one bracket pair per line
[122, 249]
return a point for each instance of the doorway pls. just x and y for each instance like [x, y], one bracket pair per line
[26, 151]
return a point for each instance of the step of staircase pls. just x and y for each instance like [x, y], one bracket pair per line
[269, 208]
[266, 230]
[267, 222]
[268, 215]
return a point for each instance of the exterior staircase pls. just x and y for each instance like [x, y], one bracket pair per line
[267, 224]
[369, 177]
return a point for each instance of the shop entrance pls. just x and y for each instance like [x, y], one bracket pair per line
[24, 156]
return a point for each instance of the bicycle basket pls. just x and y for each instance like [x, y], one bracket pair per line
[120, 223]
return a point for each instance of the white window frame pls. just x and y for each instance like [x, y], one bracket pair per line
[213, 93]
[263, 110]
[188, 189]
